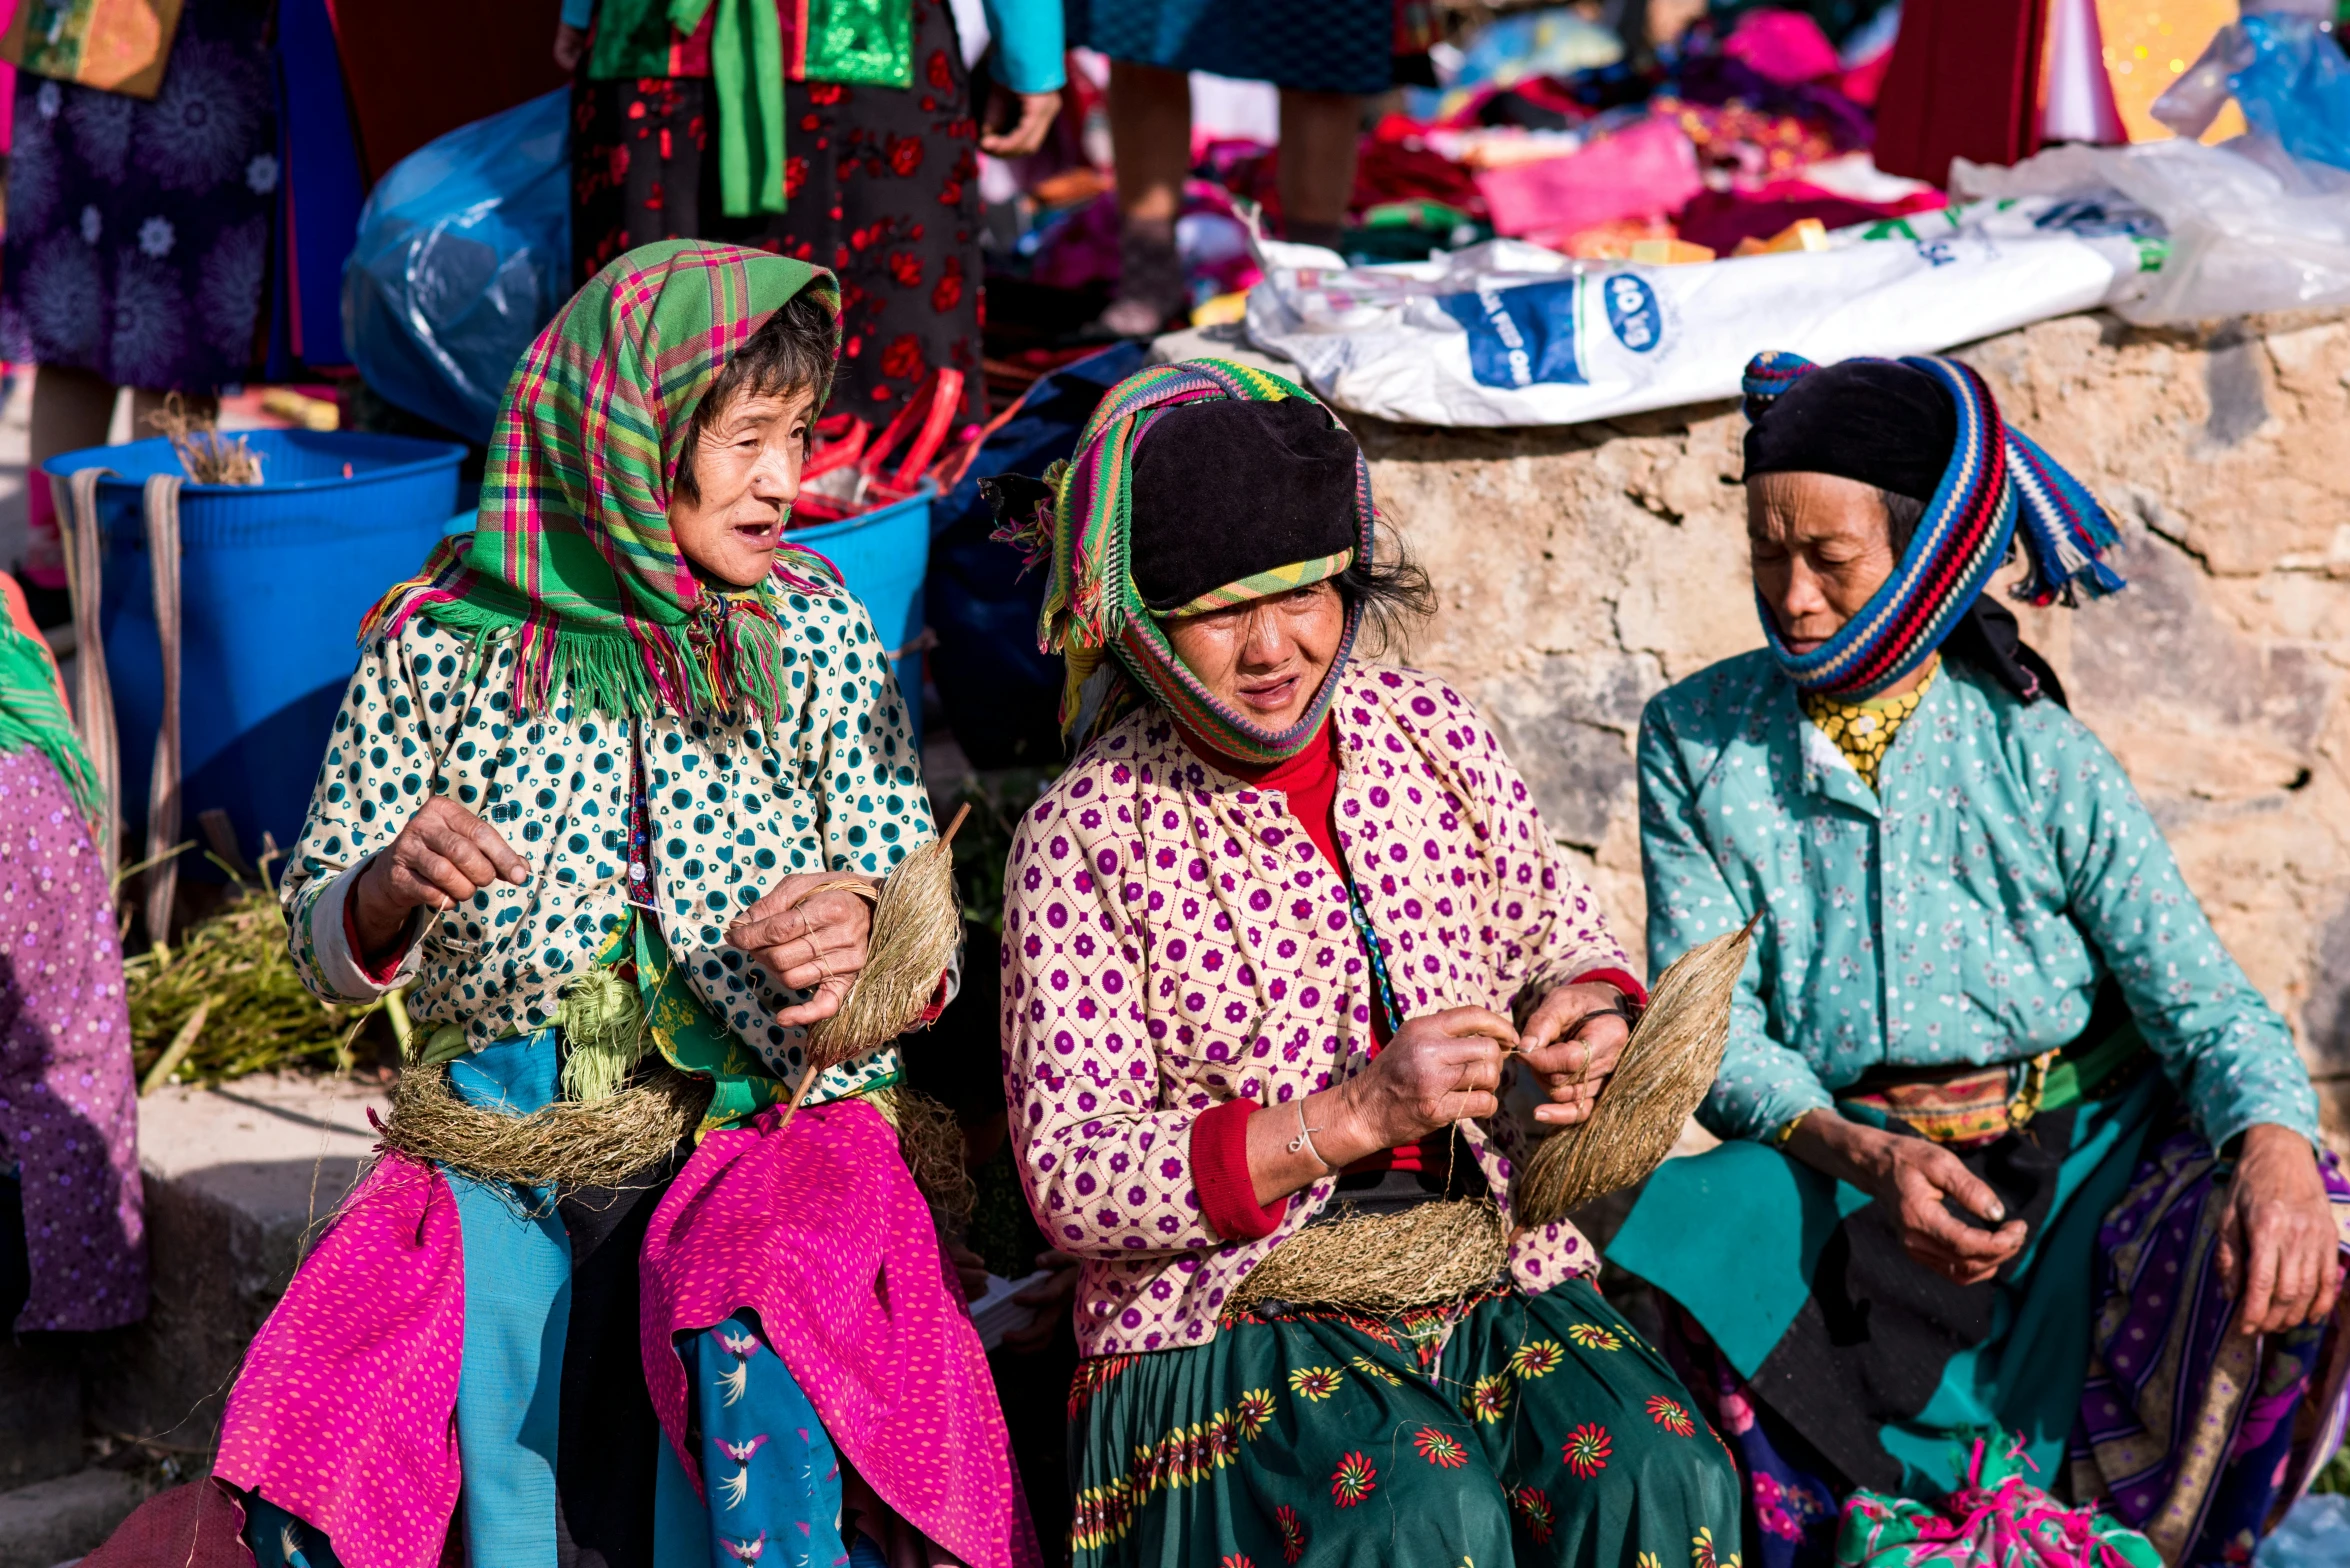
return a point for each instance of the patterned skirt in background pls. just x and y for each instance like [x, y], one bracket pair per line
[69, 1114]
[1322, 46]
[138, 231]
[881, 185]
[1540, 1430]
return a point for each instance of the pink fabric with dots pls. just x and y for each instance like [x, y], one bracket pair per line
[345, 1412]
[68, 1104]
[1173, 940]
[818, 1228]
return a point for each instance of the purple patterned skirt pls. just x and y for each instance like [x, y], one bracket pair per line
[68, 1107]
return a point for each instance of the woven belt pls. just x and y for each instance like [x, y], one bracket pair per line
[1978, 1104]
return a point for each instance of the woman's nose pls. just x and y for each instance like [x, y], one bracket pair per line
[1264, 643]
[776, 476]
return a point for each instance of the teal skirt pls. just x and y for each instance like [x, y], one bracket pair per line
[1508, 1429]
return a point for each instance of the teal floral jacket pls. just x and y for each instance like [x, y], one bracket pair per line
[1964, 914]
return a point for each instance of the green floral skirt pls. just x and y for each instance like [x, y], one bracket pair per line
[1508, 1429]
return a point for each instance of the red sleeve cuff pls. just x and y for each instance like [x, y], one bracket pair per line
[378, 971]
[1219, 1173]
[1621, 979]
[938, 1001]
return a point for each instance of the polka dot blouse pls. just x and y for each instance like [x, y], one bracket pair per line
[733, 807]
[1173, 940]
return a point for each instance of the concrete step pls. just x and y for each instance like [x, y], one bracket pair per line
[239, 1180]
[55, 1521]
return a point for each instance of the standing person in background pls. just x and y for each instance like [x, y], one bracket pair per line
[1326, 56]
[708, 119]
[137, 244]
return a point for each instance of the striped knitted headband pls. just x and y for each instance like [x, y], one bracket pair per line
[1995, 477]
[1083, 515]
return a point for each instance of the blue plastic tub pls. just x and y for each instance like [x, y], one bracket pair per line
[273, 581]
[883, 556]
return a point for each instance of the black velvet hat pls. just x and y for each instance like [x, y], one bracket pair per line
[1877, 421]
[1225, 490]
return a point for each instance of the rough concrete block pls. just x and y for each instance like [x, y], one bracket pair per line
[54, 1521]
[239, 1180]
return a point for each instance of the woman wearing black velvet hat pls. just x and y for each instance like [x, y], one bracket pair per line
[2015, 1150]
[1263, 945]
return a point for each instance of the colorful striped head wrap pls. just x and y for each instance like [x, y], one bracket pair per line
[1996, 476]
[1082, 517]
[573, 556]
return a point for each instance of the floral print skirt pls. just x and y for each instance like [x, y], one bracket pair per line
[138, 230]
[881, 185]
[1508, 1429]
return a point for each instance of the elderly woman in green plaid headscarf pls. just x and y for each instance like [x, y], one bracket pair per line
[612, 780]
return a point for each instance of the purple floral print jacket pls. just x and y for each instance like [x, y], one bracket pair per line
[1173, 940]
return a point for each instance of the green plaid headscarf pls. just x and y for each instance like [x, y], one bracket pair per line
[573, 556]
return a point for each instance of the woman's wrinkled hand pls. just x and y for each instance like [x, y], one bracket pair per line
[1437, 1069]
[1571, 1052]
[2279, 1251]
[442, 857]
[570, 46]
[1919, 1182]
[1018, 122]
[808, 943]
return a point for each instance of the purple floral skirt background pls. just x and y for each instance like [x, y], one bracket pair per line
[138, 232]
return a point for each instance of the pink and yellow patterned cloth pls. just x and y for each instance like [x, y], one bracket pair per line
[1173, 941]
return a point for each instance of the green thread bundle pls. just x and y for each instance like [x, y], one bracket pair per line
[604, 1033]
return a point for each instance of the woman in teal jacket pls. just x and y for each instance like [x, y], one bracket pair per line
[2014, 1146]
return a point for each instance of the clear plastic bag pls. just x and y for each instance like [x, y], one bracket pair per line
[2282, 64]
[2247, 226]
[464, 253]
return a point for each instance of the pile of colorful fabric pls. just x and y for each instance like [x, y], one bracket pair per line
[1998, 1520]
[1547, 130]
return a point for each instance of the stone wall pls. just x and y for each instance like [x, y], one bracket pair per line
[1581, 569]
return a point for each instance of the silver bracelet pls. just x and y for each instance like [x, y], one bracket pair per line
[1305, 1137]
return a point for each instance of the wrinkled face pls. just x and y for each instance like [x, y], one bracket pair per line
[1264, 660]
[1821, 547]
[747, 468]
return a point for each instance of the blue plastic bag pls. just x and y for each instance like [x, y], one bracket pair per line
[464, 253]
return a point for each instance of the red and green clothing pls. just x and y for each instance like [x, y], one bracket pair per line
[1505, 1429]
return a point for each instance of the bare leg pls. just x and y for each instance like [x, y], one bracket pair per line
[1150, 131]
[1317, 167]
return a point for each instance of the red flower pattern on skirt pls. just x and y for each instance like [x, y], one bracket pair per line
[1355, 1479]
[1586, 1449]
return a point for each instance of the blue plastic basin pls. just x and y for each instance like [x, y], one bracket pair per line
[274, 579]
[883, 556]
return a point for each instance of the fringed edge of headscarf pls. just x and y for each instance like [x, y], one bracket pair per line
[35, 715]
[735, 669]
[1999, 482]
